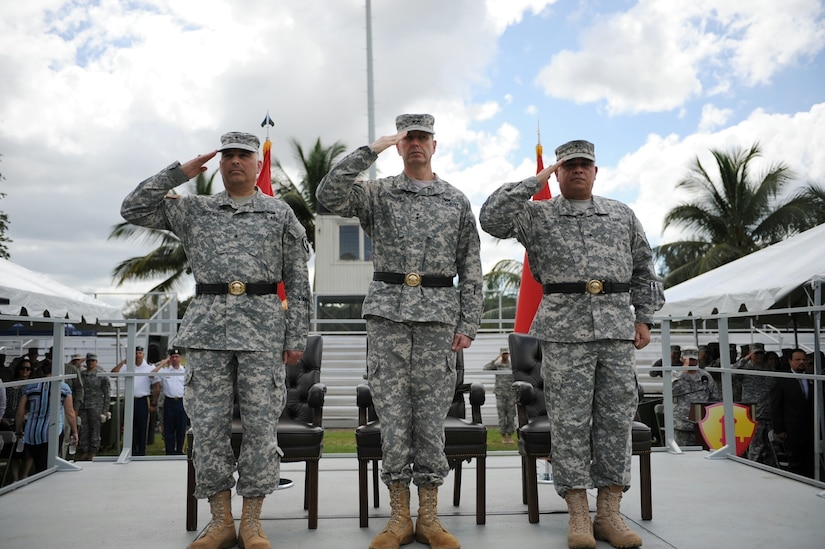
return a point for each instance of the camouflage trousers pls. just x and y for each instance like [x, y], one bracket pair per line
[591, 396]
[88, 423]
[506, 408]
[210, 382]
[758, 449]
[684, 437]
[411, 372]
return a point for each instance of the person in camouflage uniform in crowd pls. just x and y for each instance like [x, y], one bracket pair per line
[756, 391]
[592, 257]
[240, 244]
[423, 233]
[505, 397]
[94, 405]
[691, 384]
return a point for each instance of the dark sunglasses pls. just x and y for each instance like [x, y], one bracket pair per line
[26, 369]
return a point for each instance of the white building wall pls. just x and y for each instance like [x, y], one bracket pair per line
[332, 275]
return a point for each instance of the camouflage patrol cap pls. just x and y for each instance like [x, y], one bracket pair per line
[412, 122]
[505, 350]
[239, 140]
[91, 356]
[690, 352]
[576, 149]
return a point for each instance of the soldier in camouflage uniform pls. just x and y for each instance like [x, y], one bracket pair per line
[240, 243]
[505, 397]
[756, 391]
[423, 233]
[592, 257]
[690, 385]
[95, 404]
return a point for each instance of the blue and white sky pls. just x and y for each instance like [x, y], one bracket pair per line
[98, 95]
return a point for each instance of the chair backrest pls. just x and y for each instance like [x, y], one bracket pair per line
[300, 377]
[525, 360]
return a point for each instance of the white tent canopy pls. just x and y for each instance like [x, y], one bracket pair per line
[756, 282]
[42, 296]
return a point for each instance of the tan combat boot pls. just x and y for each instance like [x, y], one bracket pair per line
[609, 524]
[428, 529]
[220, 532]
[251, 533]
[399, 529]
[579, 529]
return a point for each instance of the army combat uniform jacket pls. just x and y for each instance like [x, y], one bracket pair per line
[604, 242]
[260, 241]
[431, 231]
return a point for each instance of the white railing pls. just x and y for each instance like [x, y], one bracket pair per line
[722, 320]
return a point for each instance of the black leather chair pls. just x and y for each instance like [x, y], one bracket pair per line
[300, 430]
[534, 426]
[465, 439]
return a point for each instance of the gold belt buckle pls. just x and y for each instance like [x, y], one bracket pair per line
[236, 287]
[412, 279]
[594, 286]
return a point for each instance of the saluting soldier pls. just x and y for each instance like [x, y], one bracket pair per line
[423, 233]
[505, 396]
[240, 244]
[95, 406]
[595, 265]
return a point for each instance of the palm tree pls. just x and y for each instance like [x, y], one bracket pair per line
[168, 260]
[505, 276]
[301, 197]
[4, 227]
[501, 286]
[738, 215]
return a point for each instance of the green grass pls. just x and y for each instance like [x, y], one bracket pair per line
[342, 441]
[336, 441]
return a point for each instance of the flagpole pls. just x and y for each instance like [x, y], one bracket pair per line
[265, 184]
[530, 291]
[265, 177]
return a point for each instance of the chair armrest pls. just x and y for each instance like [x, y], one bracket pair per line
[363, 399]
[477, 398]
[525, 396]
[363, 396]
[315, 398]
[526, 393]
[477, 394]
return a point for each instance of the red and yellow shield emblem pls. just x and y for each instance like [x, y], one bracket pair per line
[712, 426]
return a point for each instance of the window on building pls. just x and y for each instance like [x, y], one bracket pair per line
[348, 237]
[353, 244]
[367, 248]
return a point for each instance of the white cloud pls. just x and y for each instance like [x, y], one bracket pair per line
[713, 117]
[504, 13]
[653, 170]
[655, 56]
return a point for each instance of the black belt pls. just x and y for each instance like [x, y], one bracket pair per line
[173, 398]
[236, 287]
[414, 279]
[590, 287]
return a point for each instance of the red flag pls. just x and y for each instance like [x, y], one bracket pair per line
[265, 184]
[530, 292]
[265, 177]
